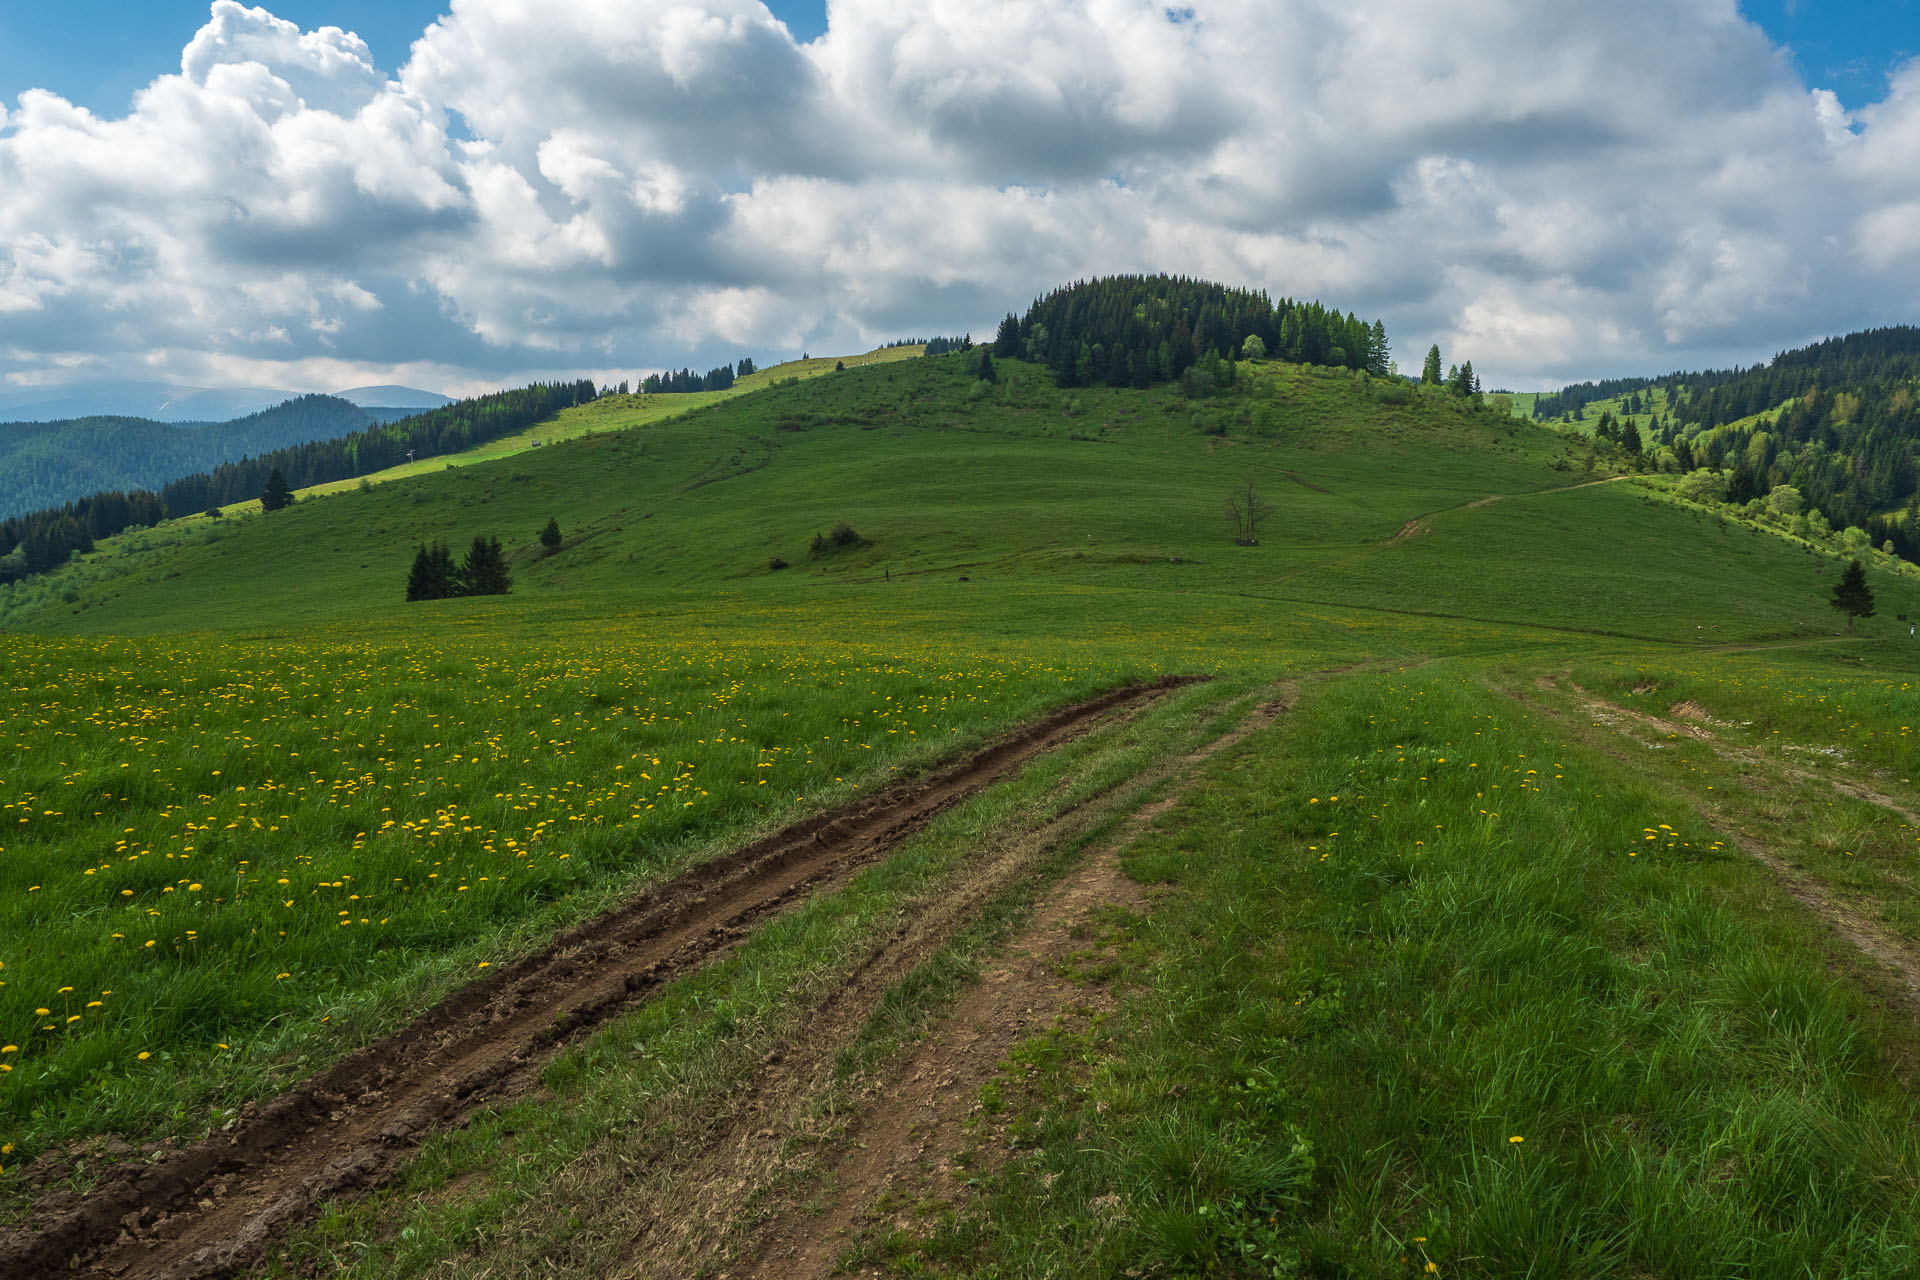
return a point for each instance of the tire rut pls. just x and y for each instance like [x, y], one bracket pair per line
[210, 1209]
[797, 1243]
[745, 1151]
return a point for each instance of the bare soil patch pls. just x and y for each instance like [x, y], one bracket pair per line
[1411, 529]
[209, 1209]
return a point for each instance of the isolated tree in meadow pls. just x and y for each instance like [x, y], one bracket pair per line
[1430, 374]
[1630, 437]
[432, 576]
[1851, 595]
[986, 370]
[550, 536]
[484, 571]
[276, 496]
[1245, 510]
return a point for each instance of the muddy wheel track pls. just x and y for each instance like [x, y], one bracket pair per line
[742, 1153]
[214, 1207]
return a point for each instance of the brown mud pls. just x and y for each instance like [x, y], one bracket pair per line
[211, 1208]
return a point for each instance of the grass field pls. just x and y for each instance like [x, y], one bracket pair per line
[1474, 959]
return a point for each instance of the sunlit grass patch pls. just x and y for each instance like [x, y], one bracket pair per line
[218, 860]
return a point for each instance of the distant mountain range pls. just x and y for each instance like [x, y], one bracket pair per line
[166, 402]
[44, 464]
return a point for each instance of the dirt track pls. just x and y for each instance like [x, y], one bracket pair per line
[212, 1208]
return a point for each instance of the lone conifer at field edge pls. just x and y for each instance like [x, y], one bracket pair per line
[484, 571]
[1852, 596]
[276, 496]
[550, 536]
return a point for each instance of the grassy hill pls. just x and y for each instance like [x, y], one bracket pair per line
[1518, 864]
[1425, 508]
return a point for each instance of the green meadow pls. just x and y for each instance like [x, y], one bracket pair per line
[1446, 972]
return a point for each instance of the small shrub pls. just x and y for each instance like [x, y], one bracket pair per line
[840, 539]
[775, 564]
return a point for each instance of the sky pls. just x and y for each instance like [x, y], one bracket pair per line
[474, 193]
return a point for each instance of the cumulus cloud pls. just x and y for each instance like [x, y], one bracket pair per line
[611, 185]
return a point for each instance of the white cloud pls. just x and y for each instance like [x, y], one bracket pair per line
[1551, 191]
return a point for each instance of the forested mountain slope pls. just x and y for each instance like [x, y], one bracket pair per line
[47, 464]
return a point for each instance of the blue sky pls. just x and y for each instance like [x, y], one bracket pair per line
[98, 52]
[604, 187]
[1844, 45]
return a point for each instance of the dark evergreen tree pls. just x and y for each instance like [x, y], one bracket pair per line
[1851, 595]
[432, 576]
[550, 536]
[276, 496]
[1006, 343]
[1430, 374]
[484, 571]
[986, 369]
[1379, 356]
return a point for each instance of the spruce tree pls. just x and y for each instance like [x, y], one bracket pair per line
[550, 536]
[484, 571]
[276, 496]
[432, 575]
[1006, 343]
[1379, 355]
[1852, 596]
[1430, 373]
